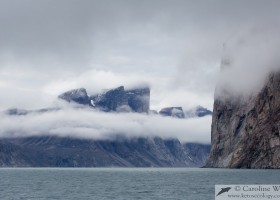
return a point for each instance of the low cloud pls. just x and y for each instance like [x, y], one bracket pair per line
[164, 92]
[86, 123]
[248, 60]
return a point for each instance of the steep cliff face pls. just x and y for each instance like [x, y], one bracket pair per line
[139, 99]
[245, 130]
[110, 100]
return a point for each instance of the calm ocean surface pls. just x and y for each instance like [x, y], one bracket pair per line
[123, 183]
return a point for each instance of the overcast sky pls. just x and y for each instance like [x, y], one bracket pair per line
[47, 47]
[176, 47]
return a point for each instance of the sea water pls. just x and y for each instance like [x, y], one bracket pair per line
[123, 183]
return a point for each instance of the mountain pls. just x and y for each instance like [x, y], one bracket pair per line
[133, 100]
[117, 99]
[70, 152]
[176, 112]
[139, 99]
[245, 131]
[79, 96]
[110, 100]
[52, 151]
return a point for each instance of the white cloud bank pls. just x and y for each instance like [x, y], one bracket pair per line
[84, 123]
[248, 60]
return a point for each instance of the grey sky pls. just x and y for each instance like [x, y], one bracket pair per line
[48, 46]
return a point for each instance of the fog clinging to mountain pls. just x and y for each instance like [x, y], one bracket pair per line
[48, 47]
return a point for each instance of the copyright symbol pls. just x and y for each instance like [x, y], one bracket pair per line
[237, 188]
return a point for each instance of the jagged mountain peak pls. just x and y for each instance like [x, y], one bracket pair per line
[120, 99]
[79, 96]
[116, 99]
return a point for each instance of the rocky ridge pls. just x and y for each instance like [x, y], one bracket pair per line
[117, 99]
[134, 100]
[50, 151]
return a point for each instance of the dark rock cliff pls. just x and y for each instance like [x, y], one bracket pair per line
[110, 100]
[139, 99]
[245, 131]
[117, 99]
[121, 100]
[79, 96]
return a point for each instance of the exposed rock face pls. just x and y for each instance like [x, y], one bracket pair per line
[79, 96]
[110, 100]
[121, 100]
[12, 155]
[69, 152]
[245, 131]
[139, 99]
[172, 112]
[118, 99]
[199, 152]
